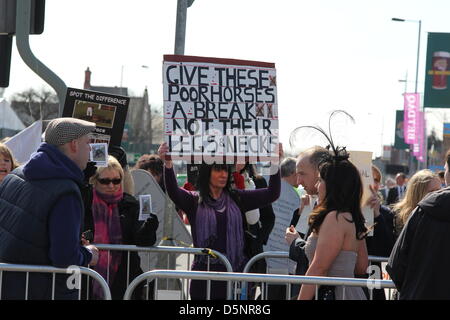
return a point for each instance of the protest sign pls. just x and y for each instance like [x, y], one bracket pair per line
[145, 184]
[99, 154]
[303, 222]
[145, 206]
[109, 113]
[220, 110]
[363, 161]
[283, 208]
[27, 141]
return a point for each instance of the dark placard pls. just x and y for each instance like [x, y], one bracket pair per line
[109, 113]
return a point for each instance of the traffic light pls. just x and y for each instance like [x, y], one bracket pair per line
[5, 59]
[8, 16]
[8, 29]
[37, 16]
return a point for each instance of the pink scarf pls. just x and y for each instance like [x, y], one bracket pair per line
[107, 231]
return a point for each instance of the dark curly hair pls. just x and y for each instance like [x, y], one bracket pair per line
[204, 176]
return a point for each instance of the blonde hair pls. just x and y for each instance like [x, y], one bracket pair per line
[416, 191]
[376, 170]
[128, 182]
[112, 164]
[6, 152]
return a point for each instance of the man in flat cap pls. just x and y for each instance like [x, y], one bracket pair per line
[41, 212]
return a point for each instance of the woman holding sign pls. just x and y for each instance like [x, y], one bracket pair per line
[216, 216]
[114, 219]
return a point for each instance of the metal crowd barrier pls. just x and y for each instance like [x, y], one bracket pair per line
[49, 269]
[254, 277]
[285, 255]
[169, 250]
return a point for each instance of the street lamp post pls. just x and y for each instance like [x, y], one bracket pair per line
[418, 45]
[180, 31]
[416, 82]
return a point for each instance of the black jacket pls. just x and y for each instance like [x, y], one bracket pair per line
[392, 196]
[382, 241]
[134, 232]
[419, 263]
[257, 235]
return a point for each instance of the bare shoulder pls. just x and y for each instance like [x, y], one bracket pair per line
[338, 218]
[330, 218]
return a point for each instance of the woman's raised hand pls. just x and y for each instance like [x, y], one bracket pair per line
[280, 151]
[162, 152]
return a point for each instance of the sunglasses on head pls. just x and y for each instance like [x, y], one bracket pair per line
[108, 181]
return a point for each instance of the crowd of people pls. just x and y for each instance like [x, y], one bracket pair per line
[57, 206]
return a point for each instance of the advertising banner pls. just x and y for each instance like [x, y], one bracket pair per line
[419, 146]
[399, 131]
[437, 87]
[410, 121]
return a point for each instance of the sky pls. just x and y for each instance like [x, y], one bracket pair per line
[329, 54]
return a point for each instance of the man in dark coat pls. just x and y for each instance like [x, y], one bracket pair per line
[41, 212]
[397, 192]
[419, 262]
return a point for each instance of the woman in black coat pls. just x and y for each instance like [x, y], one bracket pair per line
[113, 218]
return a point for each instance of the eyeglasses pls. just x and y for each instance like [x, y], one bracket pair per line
[108, 181]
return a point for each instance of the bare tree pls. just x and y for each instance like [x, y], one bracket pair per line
[157, 126]
[31, 105]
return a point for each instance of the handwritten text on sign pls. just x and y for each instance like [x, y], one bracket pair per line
[217, 109]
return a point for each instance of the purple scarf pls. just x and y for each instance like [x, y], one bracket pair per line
[107, 231]
[206, 231]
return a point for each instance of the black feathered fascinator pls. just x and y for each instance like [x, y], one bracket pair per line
[337, 153]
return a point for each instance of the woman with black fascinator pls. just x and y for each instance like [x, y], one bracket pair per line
[336, 245]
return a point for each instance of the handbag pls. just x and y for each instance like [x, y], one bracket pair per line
[297, 254]
[326, 293]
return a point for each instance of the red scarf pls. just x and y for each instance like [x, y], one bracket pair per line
[239, 181]
[105, 212]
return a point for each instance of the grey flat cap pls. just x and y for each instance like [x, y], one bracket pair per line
[62, 130]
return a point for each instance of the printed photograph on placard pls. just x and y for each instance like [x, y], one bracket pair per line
[102, 115]
[99, 138]
[99, 154]
[145, 206]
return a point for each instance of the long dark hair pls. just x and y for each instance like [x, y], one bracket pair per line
[344, 187]
[204, 176]
[251, 170]
[344, 191]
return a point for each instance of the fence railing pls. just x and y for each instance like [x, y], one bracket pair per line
[284, 255]
[211, 254]
[255, 277]
[75, 271]
[169, 250]
[229, 276]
